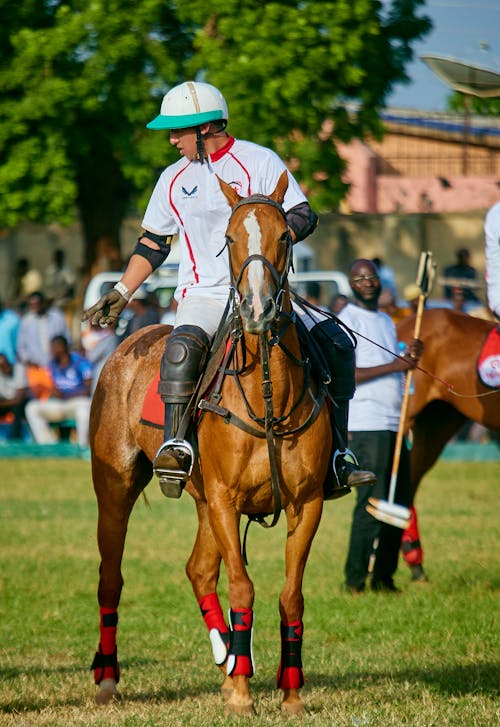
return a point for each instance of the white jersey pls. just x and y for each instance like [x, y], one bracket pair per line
[376, 404]
[492, 236]
[187, 200]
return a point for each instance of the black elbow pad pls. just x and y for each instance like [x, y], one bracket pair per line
[302, 220]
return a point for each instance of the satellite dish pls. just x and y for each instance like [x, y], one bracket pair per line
[468, 78]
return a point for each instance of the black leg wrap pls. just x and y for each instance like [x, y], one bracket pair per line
[103, 660]
[290, 674]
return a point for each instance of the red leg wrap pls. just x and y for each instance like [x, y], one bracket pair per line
[216, 625]
[240, 658]
[290, 674]
[105, 664]
[212, 613]
[410, 542]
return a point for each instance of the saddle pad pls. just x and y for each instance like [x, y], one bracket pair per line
[488, 363]
[153, 409]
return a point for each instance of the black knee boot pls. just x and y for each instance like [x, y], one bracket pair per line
[338, 352]
[181, 365]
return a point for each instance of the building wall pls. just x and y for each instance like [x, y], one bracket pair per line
[414, 174]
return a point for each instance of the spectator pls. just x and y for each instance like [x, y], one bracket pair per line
[98, 344]
[144, 312]
[70, 397]
[38, 327]
[338, 303]
[492, 238]
[387, 276]
[412, 293]
[60, 280]
[373, 424]
[387, 304]
[13, 393]
[457, 299]
[9, 329]
[458, 274]
[27, 280]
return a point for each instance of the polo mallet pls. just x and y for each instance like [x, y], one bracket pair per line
[387, 511]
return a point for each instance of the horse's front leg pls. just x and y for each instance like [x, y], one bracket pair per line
[202, 570]
[301, 529]
[224, 522]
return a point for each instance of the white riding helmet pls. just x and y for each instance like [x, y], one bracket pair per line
[190, 104]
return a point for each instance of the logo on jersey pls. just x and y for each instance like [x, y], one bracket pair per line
[190, 194]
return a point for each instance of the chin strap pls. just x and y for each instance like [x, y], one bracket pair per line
[199, 146]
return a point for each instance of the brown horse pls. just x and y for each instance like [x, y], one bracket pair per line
[437, 410]
[264, 443]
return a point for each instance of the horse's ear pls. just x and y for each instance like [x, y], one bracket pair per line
[279, 193]
[229, 193]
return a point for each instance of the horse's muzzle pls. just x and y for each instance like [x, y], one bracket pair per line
[257, 322]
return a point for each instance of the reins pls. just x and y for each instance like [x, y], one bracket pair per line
[450, 388]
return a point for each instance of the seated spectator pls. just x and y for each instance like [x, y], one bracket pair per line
[13, 394]
[70, 397]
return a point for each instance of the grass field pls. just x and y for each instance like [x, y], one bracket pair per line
[427, 657]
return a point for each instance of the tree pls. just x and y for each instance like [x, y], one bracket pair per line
[80, 79]
[298, 72]
[78, 82]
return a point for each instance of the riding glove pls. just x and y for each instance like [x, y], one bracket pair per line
[107, 309]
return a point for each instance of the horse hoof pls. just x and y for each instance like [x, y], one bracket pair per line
[241, 709]
[107, 693]
[292, 708]
[418, 574]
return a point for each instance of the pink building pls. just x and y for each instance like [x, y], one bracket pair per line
[425, 163]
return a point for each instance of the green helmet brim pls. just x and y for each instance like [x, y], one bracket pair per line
[184, 122]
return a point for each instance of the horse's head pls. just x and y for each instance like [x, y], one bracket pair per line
[259, 245]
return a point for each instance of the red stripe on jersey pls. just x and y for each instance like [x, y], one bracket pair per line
[186, 237]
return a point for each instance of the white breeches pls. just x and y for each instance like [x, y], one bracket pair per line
[200, 311]
[40, 413]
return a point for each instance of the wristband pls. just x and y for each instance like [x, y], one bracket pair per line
[123, 290]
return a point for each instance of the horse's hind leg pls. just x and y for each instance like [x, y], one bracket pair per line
[116, 495]
[203, 571]
[302, 528]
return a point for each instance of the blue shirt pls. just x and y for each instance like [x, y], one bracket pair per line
[71, 380]
[9, 327]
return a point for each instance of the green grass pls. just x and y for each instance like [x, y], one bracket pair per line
[428, 657]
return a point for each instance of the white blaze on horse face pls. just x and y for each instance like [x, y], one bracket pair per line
[255, 268]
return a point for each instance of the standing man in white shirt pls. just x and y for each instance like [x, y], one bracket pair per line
[492, 239]
[373, 424]
[187, 201]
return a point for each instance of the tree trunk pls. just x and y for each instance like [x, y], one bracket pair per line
[103, 201]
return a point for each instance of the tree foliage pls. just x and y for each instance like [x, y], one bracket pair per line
[79, 79]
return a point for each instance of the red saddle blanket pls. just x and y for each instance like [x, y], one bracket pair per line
[153, 409]
[488, 363]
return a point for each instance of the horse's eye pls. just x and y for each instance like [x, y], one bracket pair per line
[285, 236]
[229, 240]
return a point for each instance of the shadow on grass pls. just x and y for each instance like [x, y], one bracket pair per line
[454, 681]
